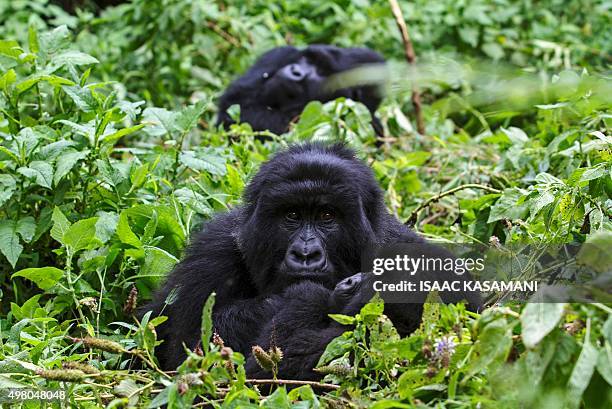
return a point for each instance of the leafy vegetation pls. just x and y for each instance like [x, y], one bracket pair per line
[109, 160]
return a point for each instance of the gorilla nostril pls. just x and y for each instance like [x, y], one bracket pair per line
[296, 72]
[308, 258]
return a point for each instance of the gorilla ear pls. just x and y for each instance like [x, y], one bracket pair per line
[365, 224]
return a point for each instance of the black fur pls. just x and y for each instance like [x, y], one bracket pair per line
[308, 215]
[270, 100]
[302, 327]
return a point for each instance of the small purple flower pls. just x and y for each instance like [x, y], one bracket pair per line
[445, 345]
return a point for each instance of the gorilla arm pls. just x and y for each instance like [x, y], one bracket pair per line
[212, 264]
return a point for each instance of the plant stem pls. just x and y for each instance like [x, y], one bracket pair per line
[411, 58]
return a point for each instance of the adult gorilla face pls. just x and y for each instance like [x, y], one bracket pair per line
[278, 86]
[309, 215]
[288, 87]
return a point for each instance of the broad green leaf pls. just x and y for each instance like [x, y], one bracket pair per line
[604, 363]
[493, 50]
[82, 98]
[516, 135]
[41, 172]
[66, 164]
[538, 319]
[9, 241]
[581, 374]
[159, 121]
[43, 277]
[125, 233]
[54, 40]
[202, 161]
[10, 48]
[495, 342]
[71, 57]
[157, 262]
[26, 227]
[207, 322]
[507, 207]
[595, 252]
[188, 117]
[60, 225]
[7, 79]
[469, 35]
[8, 185]
[81, 234]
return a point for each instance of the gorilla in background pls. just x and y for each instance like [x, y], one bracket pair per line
[278, 86]
[308, 215]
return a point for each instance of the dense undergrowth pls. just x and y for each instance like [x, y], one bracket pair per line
[109, 160]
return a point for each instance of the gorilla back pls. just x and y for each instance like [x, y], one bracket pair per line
[278, 86]
[308, 215]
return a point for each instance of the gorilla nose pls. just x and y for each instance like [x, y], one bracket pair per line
[310, 258]
[295, 72]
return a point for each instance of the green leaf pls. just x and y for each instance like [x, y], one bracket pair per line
[469, 35]
[110, 139]
[82, 98]
[41, 172]
[342, 319]
[60, 225]
[207, 322]
[202, 161]
[33, 39]
[10, 48]
[188, 117]
[81, 234]
[157, 262]
[604, 362]
[54, 40]
[125, 233]
[67, 162]
[9, 241]
[581, 374]
[26, 227]
[595, 252]
[506, 207]
[43, 277]
[71, 57]
[159, 121]
[493, 50]
[29, 82]
[538, 319]
[7, 79]
[495, 343]
[516, 135]
[8, 185]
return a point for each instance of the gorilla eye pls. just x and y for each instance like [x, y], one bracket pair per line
[291, 215]
[326, 216]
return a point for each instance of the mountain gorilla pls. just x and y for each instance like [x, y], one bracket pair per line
[308, 215]
[278, 86]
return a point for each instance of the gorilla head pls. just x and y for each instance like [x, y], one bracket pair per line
[309, 213]
[278, 86]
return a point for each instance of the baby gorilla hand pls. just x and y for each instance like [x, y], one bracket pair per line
[351, 294]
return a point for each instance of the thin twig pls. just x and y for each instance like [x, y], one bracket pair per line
[411, 58]
[439, 196]
[319, 385]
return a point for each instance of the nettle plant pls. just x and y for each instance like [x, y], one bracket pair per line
[87, 215]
